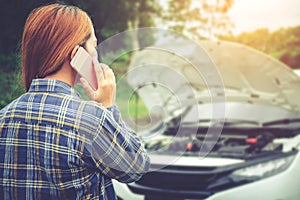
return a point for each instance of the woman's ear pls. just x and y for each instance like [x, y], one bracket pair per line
[74, 51]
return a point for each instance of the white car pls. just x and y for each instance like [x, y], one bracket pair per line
[236, 139]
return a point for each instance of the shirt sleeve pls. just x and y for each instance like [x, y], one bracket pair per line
[117, 150]
[117, 116]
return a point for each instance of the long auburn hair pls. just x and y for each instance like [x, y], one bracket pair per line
[50, 34]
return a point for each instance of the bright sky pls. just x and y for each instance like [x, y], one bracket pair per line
[249, 15]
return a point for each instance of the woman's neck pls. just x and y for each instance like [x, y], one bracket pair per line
[65, 74]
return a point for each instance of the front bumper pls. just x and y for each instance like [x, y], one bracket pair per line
[195, 184]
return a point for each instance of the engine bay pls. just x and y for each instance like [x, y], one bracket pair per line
[231, 143]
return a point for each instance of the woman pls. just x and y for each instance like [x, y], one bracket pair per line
[53, 144]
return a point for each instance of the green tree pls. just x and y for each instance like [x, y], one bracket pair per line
[283, 44]
[199, 19]
[10, 78]
[114, 16]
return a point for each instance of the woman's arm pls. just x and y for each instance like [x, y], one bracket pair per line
[117, 151]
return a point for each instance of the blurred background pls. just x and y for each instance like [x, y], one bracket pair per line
[271, 26]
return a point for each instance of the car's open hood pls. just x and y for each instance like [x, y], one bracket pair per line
[247, 76]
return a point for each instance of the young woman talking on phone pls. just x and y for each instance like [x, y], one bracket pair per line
[53, 144]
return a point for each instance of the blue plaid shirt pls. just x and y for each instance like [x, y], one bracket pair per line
[54, 145]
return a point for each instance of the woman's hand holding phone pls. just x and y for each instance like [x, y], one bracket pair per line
[105, 93]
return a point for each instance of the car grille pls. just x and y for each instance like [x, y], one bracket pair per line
[180, 182]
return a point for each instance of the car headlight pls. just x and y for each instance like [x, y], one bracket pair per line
[262, 170]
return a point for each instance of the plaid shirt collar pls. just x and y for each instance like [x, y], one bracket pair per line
[53, 86]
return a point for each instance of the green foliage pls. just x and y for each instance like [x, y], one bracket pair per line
[283, 44]
[10, 78]
[131, 106]
[112, 16]
[201, 19]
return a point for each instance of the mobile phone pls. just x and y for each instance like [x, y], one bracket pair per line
[83, 64]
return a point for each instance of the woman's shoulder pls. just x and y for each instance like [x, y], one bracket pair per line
[88, 112]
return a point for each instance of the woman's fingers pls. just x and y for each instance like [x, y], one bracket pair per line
[88, 89]
[105, 93]
[98, 70]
